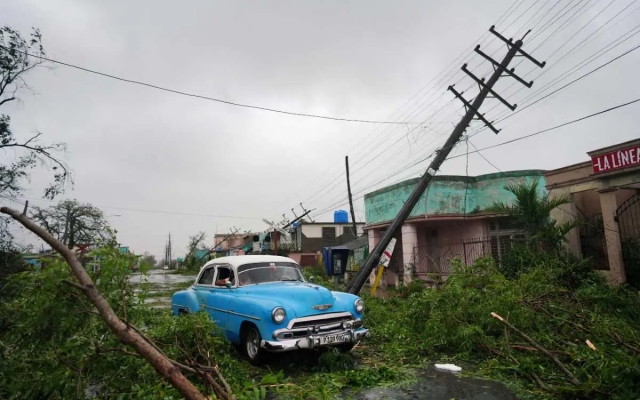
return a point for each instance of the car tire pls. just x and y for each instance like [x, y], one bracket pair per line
[345, 348]
[251, 345]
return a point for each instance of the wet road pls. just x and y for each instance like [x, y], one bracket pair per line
[161, 285]
[436, 385]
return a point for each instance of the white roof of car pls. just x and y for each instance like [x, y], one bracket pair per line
[236, 261]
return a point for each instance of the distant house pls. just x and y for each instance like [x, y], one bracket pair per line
[452, 219]
[309, 238]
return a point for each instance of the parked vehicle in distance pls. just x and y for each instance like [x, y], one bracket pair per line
[263, 304]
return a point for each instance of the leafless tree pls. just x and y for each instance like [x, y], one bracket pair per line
[73, 223]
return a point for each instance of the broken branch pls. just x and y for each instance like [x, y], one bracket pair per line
[129, 337]
[547, 353]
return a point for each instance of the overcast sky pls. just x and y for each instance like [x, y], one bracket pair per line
[137, 148]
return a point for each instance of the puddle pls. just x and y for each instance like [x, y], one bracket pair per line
[160, 286]
[435, 384]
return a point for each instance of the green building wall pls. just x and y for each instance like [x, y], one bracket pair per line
[446, 195]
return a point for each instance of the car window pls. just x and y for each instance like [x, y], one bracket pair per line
[224, 275]
[207, 277]
[254, 273]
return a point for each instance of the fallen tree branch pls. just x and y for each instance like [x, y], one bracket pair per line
[165, 368]
[75, 285]
[613, 336]
[542, 385]
[547, 353]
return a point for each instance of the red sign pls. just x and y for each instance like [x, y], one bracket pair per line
[619, 159]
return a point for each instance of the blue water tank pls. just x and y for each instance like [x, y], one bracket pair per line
[340, 217]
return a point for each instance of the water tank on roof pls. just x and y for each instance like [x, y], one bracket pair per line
[341, 216]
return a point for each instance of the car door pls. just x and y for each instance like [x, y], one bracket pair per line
[217, 303]
[203, 285]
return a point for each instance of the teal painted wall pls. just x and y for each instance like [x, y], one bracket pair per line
[446, 195]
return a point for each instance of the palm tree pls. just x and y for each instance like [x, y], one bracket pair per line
[531, 212]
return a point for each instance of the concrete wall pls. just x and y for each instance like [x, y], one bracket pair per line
[446, 195]
[311, 235]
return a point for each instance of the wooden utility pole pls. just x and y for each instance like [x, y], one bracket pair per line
[353, 214]
[472, 112]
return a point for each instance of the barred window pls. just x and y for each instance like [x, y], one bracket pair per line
[329, 233]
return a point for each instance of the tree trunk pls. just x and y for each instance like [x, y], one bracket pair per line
[164, 366]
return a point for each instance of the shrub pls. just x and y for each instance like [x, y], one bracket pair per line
[543, 302]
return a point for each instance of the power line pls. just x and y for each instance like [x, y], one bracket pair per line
[556, 80]
[148, 211]
[415, 111]
[548, 192]
[575, 68]
[552, 128]
[512, 141]
[231, 103]
[322, 189]
[567, 73]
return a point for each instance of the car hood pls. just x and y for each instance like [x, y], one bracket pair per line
[298, 296]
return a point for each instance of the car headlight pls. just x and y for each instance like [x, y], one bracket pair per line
[278, 315]
[359, 305]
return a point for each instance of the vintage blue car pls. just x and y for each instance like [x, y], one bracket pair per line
[263, 303]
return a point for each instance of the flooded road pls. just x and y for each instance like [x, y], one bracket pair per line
[160, 285]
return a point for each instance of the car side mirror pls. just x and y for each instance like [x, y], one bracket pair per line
[228, 285]
[311, 278]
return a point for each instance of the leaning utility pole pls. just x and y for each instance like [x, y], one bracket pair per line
[353, 215]
[472, 111]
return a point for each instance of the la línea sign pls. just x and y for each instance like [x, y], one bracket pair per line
[616, 160]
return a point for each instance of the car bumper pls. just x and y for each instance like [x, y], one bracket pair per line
[314, 341]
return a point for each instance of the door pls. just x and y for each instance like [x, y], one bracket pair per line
[220, 293]
[204, 284]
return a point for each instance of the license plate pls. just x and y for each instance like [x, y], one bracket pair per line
[332, 339]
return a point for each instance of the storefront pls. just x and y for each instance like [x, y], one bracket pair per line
[606, 203]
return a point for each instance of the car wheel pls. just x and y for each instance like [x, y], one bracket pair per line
[251, 345]
[345, 348]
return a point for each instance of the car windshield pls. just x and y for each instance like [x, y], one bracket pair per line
[264, 272]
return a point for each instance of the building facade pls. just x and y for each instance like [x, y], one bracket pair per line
[450, 220]
[309, 238]
[606, 202]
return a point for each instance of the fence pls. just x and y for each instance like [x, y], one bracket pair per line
[438, 259]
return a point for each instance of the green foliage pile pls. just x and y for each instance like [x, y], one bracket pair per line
[56, 347]
[544, 302]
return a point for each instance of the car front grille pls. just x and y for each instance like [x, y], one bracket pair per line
[315, 324]
[320, 320]
[323, 322]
